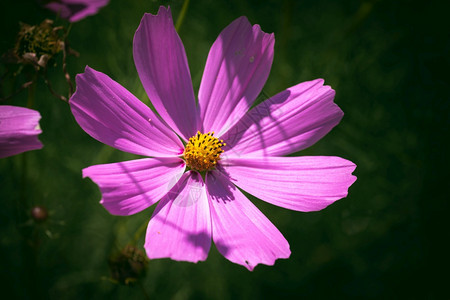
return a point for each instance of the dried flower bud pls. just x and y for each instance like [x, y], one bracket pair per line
[37, 44]
[39, 214]
[128, 266]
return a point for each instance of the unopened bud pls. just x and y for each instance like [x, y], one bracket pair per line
[128, 266]
[39, 214]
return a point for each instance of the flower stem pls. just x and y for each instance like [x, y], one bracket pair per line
[144, 292]
[30, 243]
[64, 66]
[182, 14]
[139, 232]
[30, 103]
[32, 91]
[23, 180]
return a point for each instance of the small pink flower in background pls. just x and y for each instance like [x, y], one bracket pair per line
[224, 145]
[19, 129]
[75, 10]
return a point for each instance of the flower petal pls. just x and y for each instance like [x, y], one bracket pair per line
[19, 128]
[240, 231]
[305, 183]
[236, 70]
[286, 123]
[131, 186]
[162, 65]
[75, 10]
[180, 227]
[114, 116]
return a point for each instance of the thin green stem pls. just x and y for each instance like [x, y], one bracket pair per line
[182, 14]
[23, 181]
[30, 250]
[139, 232]
[30, 103]
[67, 31]
[144, 292]
[32, 91]
[64, 66]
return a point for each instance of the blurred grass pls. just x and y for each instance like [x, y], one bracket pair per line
[383, 59]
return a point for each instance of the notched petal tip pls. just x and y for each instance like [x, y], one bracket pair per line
[88, 69]
[163, 12]
[258, 30]
[252, 265]
[241, 233]
[242, 19]
[79, 78]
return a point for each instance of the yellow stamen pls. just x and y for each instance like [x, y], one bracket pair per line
[203, 151]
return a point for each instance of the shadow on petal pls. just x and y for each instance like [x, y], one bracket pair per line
[224, 194]
[254, 117]
[180, 227]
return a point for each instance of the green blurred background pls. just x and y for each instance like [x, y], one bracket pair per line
[387, 239]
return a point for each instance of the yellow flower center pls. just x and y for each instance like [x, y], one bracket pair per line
[203, 151]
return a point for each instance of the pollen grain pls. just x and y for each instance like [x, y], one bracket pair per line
[202, 152]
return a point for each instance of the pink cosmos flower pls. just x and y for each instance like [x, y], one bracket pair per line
[75, 10]
[193, 173]
[19, 128]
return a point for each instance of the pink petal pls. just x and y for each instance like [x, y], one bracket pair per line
[163, 68]
[180, 227]
[112, 115]
[286, 123]
[75, 10]
[236, 70]
[240, 231]
[131, 186]
[305, 183]
[19, 128]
